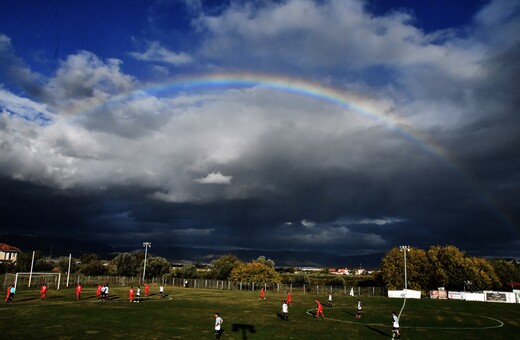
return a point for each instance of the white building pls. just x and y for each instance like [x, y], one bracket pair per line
[8, 253]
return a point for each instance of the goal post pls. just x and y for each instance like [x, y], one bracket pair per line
[52, 280]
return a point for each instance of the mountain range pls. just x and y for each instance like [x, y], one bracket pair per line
[59, 246]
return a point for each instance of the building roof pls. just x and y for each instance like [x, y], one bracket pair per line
[7, 248]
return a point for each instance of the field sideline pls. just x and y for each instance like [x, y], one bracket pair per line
[187, 313]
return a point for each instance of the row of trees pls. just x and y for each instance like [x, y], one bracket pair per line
[227, 267]
[445, 266]
[439, 266]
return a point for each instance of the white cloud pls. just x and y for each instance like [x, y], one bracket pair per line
[379, 221]
[214, 178]
[307, 223]
[193, 232]
[156, 52]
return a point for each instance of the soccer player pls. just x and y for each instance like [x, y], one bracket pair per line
[43, 291]
[285, 311]
[79, 289]
[319, 309]
[146, 289]
[98, 292]
[8, 293]
[358, 310]
[289, 301]
[395, 326]
[11, 293]
[106, 292]
[161, 291]
[262, 293]
[138, 294]
[218, 326]
[329, 301]
[131, 294]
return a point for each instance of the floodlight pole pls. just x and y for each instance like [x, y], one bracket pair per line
[68, 271]
[32, 266]
[146, 245]
[405, 249]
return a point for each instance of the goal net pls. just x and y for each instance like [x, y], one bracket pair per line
[35, 280]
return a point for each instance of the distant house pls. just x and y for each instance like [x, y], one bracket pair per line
[8, 253]
[339, 271]
[359, 271]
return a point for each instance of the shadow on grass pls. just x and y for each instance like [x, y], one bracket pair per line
[54, 297]
[378, 331]
[346, 312]
[280, 315]
[89, 297]
[244, 328]
[26, 299]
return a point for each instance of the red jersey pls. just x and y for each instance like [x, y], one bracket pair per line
[79, 289]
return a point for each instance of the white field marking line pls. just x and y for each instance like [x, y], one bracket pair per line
[399, 315]
[500, 323]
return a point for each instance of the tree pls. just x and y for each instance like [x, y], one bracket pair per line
[299, 279]
[94, 267]
[417, 269]
[63, 263]
[187, 271]
[254, 272]
[221, 268]
[157, 266]
[448, 267]
[481, 273]
[336, 281]
[392, 269]
[506, 271]
[126, 264]
[266, 261]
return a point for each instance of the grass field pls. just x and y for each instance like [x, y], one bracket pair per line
[187, 313]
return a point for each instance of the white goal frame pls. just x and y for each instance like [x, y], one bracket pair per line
[37, 274]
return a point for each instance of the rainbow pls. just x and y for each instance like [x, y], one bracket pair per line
[345, 100]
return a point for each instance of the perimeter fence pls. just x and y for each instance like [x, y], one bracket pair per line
[134, 281]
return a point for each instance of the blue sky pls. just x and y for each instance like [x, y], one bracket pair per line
[345, 126]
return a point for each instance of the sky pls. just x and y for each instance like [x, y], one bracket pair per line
[339, 126]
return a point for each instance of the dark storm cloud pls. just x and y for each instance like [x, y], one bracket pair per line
[428, 155]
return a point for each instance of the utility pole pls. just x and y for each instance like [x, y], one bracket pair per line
[405, 249]
[146, 245]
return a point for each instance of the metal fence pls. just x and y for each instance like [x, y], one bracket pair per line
[73, 280]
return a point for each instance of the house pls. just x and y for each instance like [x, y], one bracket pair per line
[339, 271]
[8, 253]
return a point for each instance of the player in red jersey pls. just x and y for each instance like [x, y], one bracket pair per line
[319, 309]
[98, 292]
[131, 294]
[289, 300]
[43, 291]
[262, 293]
[8, 293]
[79, 289]
[146, 289]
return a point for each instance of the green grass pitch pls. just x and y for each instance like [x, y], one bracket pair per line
[187, 313]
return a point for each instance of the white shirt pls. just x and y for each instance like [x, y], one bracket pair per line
[396, 321]
[285, 308]
[161, 289]
[218, 322]
[138, 291]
